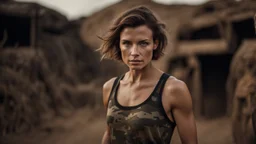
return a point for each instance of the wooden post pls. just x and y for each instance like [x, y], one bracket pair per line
[196, 86]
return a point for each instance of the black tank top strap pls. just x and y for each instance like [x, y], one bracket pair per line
[160, 85]
[159, 91]
[113, 90]
[164, 79]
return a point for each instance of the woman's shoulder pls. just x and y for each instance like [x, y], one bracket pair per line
[107, 86]
[109, 83]
[175, 82]
[177, 92]
[176, 87]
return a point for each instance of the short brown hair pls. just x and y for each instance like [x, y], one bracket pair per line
[133, 18]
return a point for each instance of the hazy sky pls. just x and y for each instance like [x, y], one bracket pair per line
[76, 8]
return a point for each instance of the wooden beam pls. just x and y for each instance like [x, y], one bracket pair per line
[241, 16]
[202, 47]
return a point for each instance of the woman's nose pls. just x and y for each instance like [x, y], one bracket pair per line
[134, 51]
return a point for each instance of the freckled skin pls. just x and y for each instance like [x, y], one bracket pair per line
[137, 44]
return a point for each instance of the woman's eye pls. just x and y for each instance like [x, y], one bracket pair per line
[144, 44]
[126, 43]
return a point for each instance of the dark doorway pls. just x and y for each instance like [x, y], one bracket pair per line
[243, 29]
[210, 33]
[215, 69]
[16, 30]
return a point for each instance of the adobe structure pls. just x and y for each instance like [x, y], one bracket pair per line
[204, 50]
[23, 23]
[216, 56]
[44, 66]
[242, 86]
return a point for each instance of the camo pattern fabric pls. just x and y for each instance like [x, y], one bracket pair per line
[146, 123]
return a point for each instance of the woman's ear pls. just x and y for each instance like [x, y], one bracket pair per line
[156, 42]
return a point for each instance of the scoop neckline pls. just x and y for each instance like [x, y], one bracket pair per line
[138, 105]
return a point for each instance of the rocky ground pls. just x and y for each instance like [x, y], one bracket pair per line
[86, 126]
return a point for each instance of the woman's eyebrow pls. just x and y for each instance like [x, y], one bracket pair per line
[144, 40]
[124, 40]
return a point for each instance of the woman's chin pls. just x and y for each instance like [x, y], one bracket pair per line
[135, 67]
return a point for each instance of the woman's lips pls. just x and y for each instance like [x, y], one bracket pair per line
[135, 61]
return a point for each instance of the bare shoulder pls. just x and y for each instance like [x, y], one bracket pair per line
[107, 86]
[174, 85]
[178, 92]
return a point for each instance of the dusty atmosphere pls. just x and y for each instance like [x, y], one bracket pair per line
[51, 77]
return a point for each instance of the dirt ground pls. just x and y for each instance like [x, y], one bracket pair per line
[86, 126]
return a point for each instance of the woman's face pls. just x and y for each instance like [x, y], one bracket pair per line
[137, 45]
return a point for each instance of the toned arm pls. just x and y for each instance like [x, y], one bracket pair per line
[106, 93]
[181, 105]
[106, 137]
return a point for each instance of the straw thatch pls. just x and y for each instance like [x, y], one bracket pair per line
[53, 77]
[243, 63]
[241, 87]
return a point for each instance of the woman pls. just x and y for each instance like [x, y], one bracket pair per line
[144, 105]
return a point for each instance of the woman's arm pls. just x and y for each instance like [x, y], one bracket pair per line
[181, 105]
[106, 137]
[106, 92]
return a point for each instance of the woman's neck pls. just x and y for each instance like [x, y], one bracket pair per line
[134, 76]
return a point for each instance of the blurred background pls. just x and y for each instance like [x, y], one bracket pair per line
[51, 77]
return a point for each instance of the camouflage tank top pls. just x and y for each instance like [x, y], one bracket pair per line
[146, 123]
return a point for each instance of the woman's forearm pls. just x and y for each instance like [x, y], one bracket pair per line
[106, 138]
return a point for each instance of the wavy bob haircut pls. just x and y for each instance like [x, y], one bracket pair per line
[133, 18]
